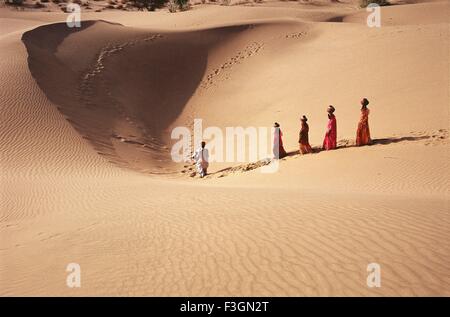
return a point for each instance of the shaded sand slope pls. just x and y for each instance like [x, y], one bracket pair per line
[73, 79]
[135, 85]
[124, 84]
[36, 141]
[310, 229]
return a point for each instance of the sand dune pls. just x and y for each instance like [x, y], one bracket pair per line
[86, 175]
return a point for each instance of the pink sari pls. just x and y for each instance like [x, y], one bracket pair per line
[330, 140]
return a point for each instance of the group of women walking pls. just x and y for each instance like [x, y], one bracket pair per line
[330, 140]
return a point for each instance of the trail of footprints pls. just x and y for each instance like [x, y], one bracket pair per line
[88, 84]
[437, 137]
[94, 92]
[295, 35]
[249, 51]
[85, 87]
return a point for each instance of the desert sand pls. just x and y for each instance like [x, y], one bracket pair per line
[86, 175]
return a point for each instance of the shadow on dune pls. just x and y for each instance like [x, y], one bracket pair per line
[336, 19]
[401, 139]
[121, 87]
[49, 37]
[342, 144]
[383, 141]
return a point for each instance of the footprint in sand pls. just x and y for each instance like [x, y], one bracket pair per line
[249, 51]
[295, 35]
[438, 137]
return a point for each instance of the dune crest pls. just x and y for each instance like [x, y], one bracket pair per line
[86, 116]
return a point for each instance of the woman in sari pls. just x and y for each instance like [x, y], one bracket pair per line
[303, 137]
[363, 132]
[278, 149]
[330, 140]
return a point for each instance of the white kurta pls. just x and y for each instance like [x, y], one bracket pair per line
[201, 157]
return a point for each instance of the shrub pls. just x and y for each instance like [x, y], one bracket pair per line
[150, 5]
[184, 5]
[365, 3]
[175, 5]
[172, 6]
[14, 2]
[38, 5]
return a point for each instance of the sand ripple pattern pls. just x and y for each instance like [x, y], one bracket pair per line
[33, 130]
[164, 249]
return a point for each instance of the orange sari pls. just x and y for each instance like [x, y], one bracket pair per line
[363, 133]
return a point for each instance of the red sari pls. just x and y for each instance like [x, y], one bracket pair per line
[330, 141]
[304, 139]
[363, 132]
[278, 144]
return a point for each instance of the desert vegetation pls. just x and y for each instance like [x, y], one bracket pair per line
[365, 3]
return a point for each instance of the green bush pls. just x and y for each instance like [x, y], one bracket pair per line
[14, 2]
[183, 4]
[172, 6]
[150, 5]
[175, 5]
[365, 3]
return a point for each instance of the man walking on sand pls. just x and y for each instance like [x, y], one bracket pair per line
[201, 157]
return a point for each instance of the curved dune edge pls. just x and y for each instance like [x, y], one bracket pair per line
[82, 91]
[310, 229]
[123, 92]
[125, 113]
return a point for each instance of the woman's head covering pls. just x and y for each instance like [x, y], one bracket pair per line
[304, 119]
[331, 109]
[364, 102]
[276, 125]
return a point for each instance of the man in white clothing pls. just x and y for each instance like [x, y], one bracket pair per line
[201, 157]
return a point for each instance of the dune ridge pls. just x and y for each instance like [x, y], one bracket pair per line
[85, 132]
